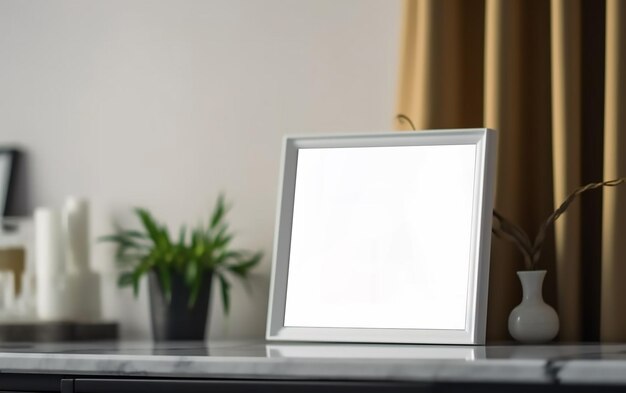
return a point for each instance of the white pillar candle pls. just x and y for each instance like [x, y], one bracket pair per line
[83, 285]
[76, 220]
[83, 296]
[49, 263]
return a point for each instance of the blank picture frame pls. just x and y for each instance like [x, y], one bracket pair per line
[383, 238]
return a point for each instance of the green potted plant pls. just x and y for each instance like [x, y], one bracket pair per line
[180, 271]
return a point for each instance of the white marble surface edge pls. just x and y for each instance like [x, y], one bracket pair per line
[548, 364]
[488, 370]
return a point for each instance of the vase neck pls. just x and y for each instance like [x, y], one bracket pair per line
[532, 284]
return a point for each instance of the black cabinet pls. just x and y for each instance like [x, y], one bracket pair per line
[85, 384]
[37, 383]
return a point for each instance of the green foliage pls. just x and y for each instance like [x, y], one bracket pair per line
[193, 254]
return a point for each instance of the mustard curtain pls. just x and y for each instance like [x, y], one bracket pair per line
[547, 75]
[613, 325]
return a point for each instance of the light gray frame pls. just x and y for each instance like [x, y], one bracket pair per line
[474, 333]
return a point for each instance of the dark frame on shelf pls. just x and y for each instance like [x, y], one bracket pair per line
[9, 158]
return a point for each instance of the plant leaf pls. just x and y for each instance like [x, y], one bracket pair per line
[194, 253]
[166, 241]
[225, 289]
[136, 277]
[181, 236]
[166, 281]
[218, 212]
[195, 290]
[125, 257]
[149, 224]
[191, 272]
[125, 279]
[122, 239]
[242, 268]
[131, 233]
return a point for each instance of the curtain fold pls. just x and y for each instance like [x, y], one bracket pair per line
[613, 322]
[566, 146]
[528, 69]
[499, 113]
[439, 37]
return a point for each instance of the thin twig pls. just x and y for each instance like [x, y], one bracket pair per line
[514, 230]
[504, 228]
[541, 235]
[504, 235]
[532, 252]
[402, 118]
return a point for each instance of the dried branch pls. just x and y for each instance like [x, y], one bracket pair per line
[403, 118]
[541, 235]
[504, 228]
[504, 235]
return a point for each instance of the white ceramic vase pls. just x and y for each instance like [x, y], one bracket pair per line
[533, 321]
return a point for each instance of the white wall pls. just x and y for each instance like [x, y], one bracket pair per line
[165, 103]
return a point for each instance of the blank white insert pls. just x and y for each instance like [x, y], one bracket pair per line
[381, 237]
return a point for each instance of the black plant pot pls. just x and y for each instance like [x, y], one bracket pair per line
[175, 320]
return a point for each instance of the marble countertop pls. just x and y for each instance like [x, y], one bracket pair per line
[592, 364]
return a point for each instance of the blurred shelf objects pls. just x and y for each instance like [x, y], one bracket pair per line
[48, 291]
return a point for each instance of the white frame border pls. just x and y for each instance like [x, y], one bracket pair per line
[485, 141]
